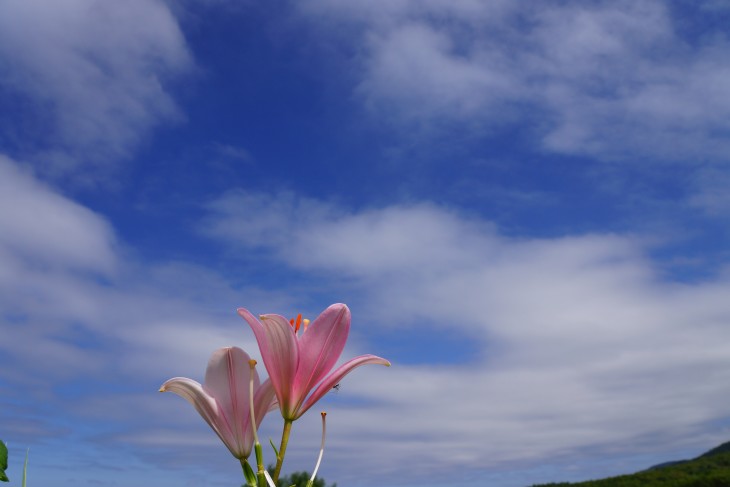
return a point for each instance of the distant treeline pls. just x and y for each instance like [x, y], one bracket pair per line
[709, 470]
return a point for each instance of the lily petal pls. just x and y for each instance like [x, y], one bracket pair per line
[264, 400]
[336, 376]
[223, 400]
[205, 404]
[320, 347]
[298, 363]
[279, 351]
[226, 379]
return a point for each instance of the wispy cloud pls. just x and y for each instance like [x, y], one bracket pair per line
[710, 192]
[49, 229]
[610, 80]
[510, 349]
[581, 326]
[94, 74]
[79, 310]
[584, 326]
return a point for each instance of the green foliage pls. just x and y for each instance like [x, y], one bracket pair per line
[725, 447]
[25, 468]
[3, 461]
[276, 452]
[298, 479]
[710, 470]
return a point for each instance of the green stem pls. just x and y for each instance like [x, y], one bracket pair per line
[248, 473]
[257, 446]
[282, 449]
[260, 463]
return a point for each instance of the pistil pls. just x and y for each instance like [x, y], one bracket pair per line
[321, 450]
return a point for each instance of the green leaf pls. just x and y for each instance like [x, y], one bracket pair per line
[25, 466]
[3, 462]
[274, 447]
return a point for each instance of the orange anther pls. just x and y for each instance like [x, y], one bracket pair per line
[297, 323]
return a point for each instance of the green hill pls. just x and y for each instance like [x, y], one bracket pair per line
[711, 469]
[724, 448]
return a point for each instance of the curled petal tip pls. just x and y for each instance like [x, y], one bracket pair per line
[161, 389]
[243, 312]
[380, 361]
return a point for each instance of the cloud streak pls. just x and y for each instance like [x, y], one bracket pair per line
[95, 74]
[581, 345]
[608, 80]
[582, 329]
[92, 331]
[509, 353]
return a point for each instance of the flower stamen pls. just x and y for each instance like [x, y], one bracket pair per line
[296, 323]
[321, 451]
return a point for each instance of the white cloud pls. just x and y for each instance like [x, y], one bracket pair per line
[88, 340]
[416, 63]
[622, 82]
[95, 72]
[613, 80]
[387, 12]
[52, 253]
[53, 230]
[710, 192]
[582, 344]
[65, 297]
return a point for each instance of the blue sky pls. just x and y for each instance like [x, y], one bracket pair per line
[524, 204]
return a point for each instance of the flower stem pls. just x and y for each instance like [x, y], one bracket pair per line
[282, 448]
[256, 444]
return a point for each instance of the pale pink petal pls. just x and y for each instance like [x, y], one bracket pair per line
[282, 357]
[256, 326]
[298, 364]
[320, 347]
[206, 405]
[336, 376]
[227, 379]
[265, 399]
[278, 346]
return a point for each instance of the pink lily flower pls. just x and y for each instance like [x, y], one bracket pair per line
[300, 364]
[223, 401]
